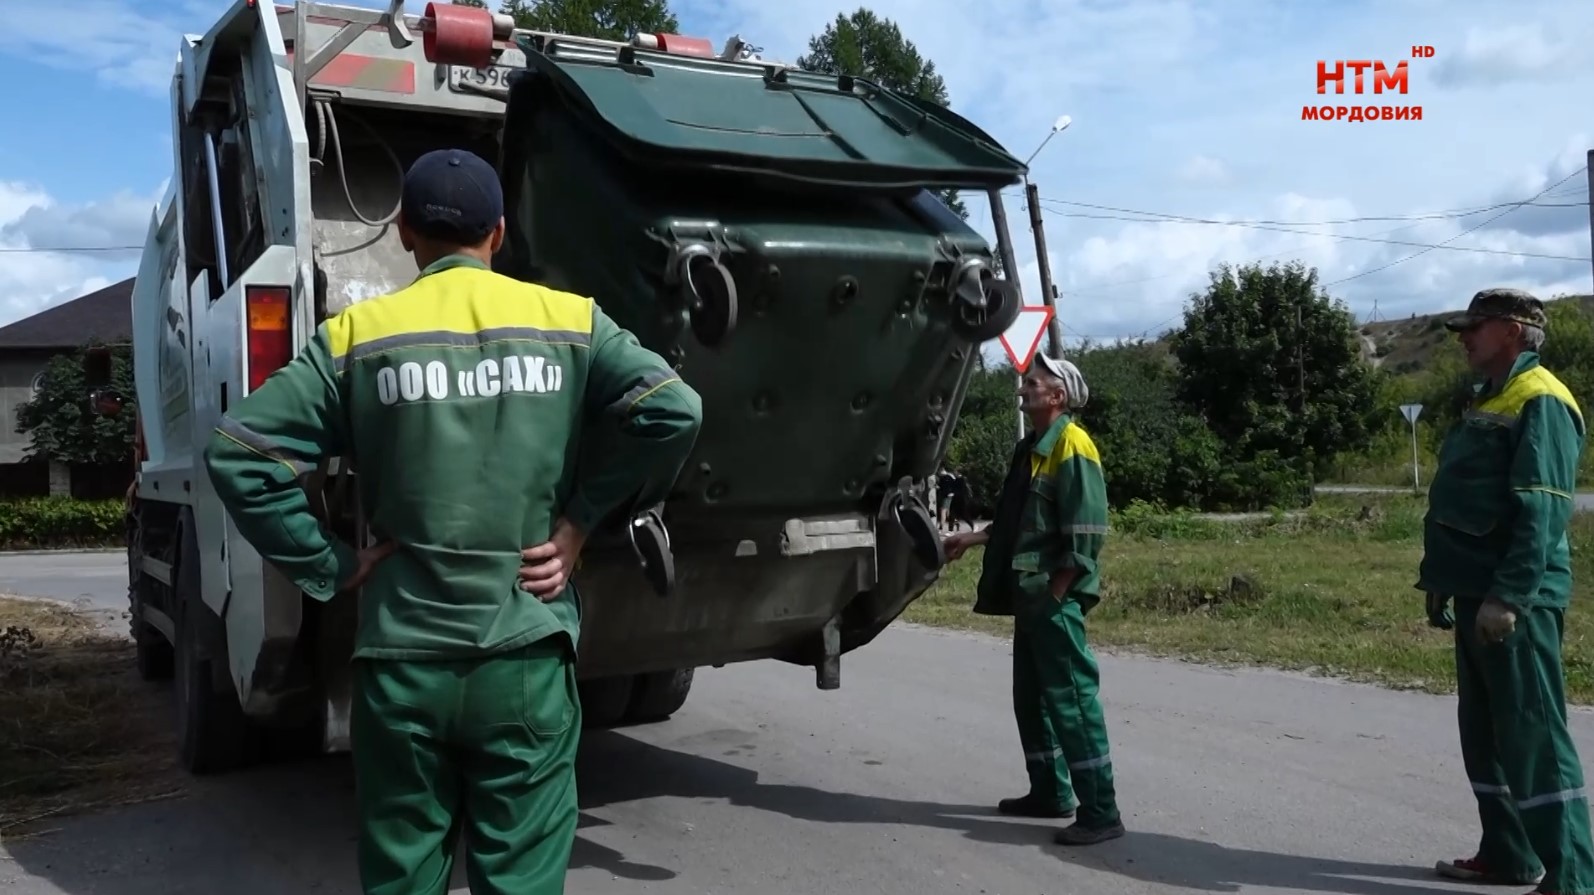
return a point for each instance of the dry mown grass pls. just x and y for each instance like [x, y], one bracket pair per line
[78, 729]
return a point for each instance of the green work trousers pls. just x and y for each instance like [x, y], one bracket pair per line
[1519, 752]
[1061, 726]
[487, 744]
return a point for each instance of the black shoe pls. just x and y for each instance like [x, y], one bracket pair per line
[1030, 806]
[1079, 834]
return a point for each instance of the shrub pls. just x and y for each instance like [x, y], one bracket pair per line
[44, 523]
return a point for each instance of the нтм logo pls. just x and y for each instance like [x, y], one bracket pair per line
[1396, 81]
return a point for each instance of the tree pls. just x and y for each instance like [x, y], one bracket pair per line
[1153, 449]
[987, 427]
[63, 427]
[606, 19]
[1273, 365]
[867, 46]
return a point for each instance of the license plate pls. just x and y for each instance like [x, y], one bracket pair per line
[472, 80]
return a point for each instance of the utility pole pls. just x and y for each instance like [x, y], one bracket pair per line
[1004, 248]
[1054, 328]
[1590, 173]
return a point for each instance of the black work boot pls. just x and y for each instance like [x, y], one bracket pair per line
[1032, 806]
[1079, 834]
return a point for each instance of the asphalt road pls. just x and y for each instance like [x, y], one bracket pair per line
[1583, 500]
[98, 579]
[1230, 782]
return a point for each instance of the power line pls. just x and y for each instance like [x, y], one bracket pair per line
[1432, 216]
[1178, 219]
[24, 250]
[1471, 229]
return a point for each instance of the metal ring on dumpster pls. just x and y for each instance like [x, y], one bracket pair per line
[711, 297]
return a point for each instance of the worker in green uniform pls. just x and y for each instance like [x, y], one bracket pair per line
[1041, 566]
[482, 415]
[1495, 543]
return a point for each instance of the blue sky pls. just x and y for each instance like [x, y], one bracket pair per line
[1183, 108]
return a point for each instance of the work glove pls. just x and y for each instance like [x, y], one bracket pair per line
[1496, 620]
[1439, 612]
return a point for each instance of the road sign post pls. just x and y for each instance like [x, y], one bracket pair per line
[1411, 412]
[1022, 339]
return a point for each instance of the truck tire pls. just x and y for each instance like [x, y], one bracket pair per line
[155, 657]
[658, 695]
[152, 653]
[213, 736]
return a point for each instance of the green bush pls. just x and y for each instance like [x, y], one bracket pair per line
[47, 523]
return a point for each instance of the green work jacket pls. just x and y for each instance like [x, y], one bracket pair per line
[1050, 516]
[476, 409]
[1501, 499]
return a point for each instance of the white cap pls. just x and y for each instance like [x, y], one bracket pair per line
[1073, 380]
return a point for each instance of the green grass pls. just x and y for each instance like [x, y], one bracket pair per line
[1329, 592]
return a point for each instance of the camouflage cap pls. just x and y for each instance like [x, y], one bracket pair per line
[1499, 304]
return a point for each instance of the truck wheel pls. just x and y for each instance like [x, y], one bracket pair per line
[604, 700]
[213, 735]
[658, 695]
[153, 654]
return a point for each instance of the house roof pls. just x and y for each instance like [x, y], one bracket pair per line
[102, 316]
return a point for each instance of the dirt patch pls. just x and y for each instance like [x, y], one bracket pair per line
[79, 730]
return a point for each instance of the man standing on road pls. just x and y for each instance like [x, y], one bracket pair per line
[464, 401]
[1041, 567]
[1495, 542]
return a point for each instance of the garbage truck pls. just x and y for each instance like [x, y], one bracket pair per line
[774, 233]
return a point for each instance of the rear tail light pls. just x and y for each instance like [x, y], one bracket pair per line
[266, 331]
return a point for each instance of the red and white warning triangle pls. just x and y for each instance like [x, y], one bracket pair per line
[1024, 336]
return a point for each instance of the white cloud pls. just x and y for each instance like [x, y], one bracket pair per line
[1203, 169]
[33, 278]
[124, 48]
[1521, 52]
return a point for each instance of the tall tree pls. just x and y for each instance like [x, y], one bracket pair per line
[1273, 364]
[865, 45]
[605, 19]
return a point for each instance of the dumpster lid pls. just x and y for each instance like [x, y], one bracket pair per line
[668, 110]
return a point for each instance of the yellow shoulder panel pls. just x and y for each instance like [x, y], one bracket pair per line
[477, 305]
[1535, 383]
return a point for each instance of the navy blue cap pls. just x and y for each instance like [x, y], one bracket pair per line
[453, 196]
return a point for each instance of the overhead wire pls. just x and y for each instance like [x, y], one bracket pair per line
[1557, 190]
[1471, 229]
[1180, 219]
[23, 250]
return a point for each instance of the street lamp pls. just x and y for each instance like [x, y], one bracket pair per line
[1058, 127]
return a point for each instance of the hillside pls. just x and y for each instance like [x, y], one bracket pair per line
[1405, 345]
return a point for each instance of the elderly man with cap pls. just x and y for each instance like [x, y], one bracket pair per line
[1495, 543]
[460, 400]
[1041, 566]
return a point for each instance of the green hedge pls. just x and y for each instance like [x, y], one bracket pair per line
[49, 523]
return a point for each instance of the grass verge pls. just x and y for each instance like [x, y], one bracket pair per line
[78, 729]
[1328, 591]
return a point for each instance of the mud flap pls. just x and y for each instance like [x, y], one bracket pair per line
[827, 672]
